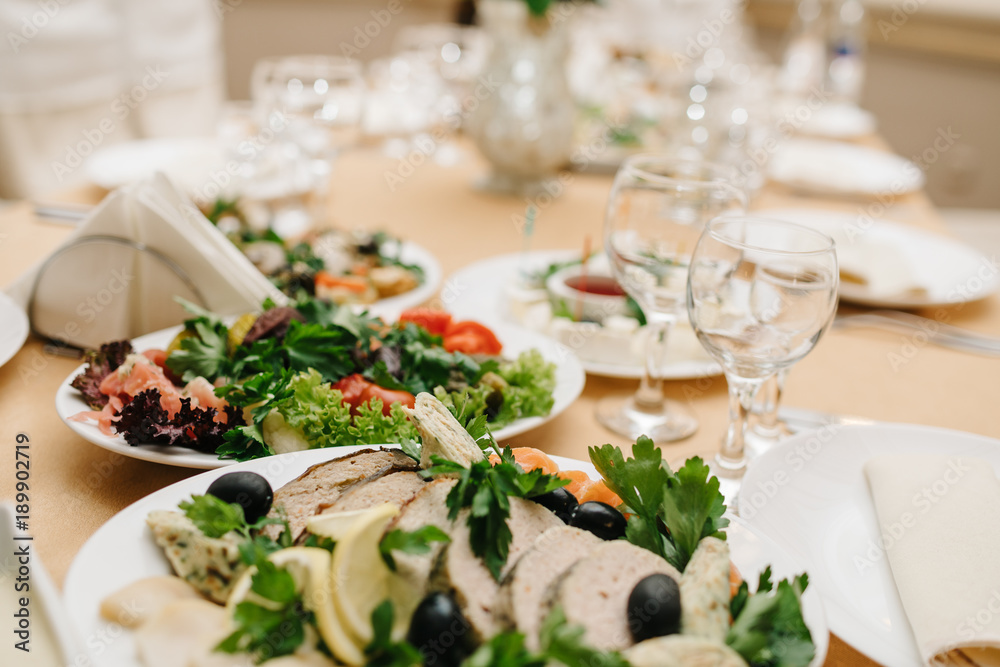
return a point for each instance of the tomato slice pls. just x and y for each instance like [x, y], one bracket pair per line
[471, 338]
[436, 322]
[358, 390]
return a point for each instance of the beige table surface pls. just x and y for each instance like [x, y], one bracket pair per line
[76, 486]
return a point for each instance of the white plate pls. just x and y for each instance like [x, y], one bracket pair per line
[840, 121]
[13, 328]
[123, 551]
[569, 384]
[187, 162]
[898, 257]
[835, 168]
[809, 495]
[479, 290]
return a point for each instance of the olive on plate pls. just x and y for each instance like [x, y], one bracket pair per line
[654, 608]
[440, 632]
[246, 489]
[599, 518]
[560, 502]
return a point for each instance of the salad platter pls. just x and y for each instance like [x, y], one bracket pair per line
[98, 573]
[543, 379]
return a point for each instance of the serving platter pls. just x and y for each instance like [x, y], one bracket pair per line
[482, 288]
[809, 494]
[97, 571]
[13, 328]
[569, 384]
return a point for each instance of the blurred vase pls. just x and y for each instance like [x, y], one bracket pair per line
[524, 120]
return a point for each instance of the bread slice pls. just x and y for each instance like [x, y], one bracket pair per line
[522, 591]
[441, 434]
[460, 572]
[594, 592]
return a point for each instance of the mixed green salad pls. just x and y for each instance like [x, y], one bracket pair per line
[306, 376]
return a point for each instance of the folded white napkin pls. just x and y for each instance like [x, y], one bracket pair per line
[940, 523]
[93, 292]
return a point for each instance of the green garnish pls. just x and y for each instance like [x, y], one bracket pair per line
[274, 630]
[410, 542]
[383, 651]
[768, 629]
[215, 517]
[486, 490]
[688, 503]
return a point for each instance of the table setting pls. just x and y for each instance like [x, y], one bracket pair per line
[622, 331]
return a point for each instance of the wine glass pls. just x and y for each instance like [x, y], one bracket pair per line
[760, 295]
[656, 212]
[316, 104]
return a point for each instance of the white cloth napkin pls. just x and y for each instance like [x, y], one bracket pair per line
[92, 294]
[940, 523]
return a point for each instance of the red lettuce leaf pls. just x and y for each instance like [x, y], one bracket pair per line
[100, 364]
[143, 421]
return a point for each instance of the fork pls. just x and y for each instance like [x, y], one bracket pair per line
[940, 333]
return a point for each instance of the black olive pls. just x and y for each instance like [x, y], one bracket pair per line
[494, 402]
[246, 489]
[560, 502]
[654, 608]
[440, 632]
[599, 518]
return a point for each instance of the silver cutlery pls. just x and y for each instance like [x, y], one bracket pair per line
[939, 333]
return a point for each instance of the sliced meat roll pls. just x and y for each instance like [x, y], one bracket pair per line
[460, 572]
[522, 591]
[321, 485]
[705, 591]
[594, 592]
[426, 508]
[396, 488]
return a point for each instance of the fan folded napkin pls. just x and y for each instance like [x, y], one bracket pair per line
[940, 523]
[93, 290]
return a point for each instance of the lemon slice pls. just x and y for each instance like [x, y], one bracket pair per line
[360, 577]
[310, 568]
[333, 525]
[239, 330]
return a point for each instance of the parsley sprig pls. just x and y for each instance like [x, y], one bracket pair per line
[687, 502]
[214, 517]
[410, 542]
[486, 490]
[768, 629]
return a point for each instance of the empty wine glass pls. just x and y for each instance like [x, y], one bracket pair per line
[656, 212]
[760, 294]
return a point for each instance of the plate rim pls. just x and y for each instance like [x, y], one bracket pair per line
[67, 400]
[690, 369]
[287, 466]
[840, 620]
[990, 286]
[910, 184]
[13, 313]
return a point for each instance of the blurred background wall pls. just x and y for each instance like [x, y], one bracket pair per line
[933, 65]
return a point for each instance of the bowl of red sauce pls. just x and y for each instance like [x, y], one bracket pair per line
[586, 293]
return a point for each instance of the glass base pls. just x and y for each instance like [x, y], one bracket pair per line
[624, 417]
[730, 481]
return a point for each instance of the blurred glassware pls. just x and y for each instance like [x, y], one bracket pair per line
[523, 116]
[405, 100]
[804, 62]
[656, 212]
[847, 43]
[457, 52]
[316, 104]
[760, 294]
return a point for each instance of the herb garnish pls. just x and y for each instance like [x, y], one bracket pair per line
[688, 502]
[410, 542]
[215, 517]
[383, 651]
[768, 629]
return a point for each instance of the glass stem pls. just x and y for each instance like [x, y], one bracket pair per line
[650, 393]
[771, 393]
[741, 394]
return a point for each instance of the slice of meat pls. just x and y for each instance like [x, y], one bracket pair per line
[522, 591]
[594, 592]
[180, 632]
[460, 572]
[321, 485]
[426, 508]
[132, 605]
[397, 488]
